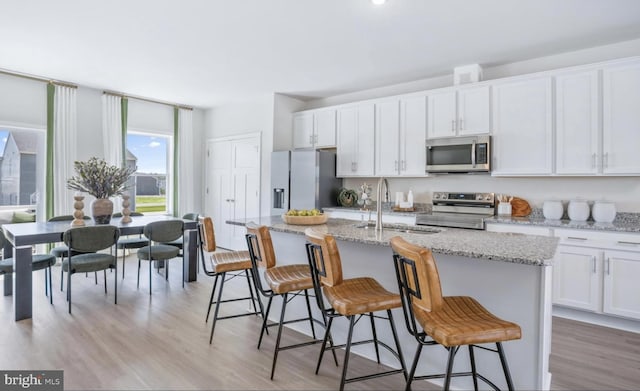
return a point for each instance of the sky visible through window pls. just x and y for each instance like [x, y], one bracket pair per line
[151, 152]
[4, 134]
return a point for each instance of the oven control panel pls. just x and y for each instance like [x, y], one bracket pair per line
[463, 198]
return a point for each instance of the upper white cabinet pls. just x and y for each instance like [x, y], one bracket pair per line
[522, 127]
[459, 112]
[577, 124]
[355, 140]
[400, 137]
[314, 129]
[621, 118]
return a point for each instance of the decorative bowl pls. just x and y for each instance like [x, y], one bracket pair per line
[305, 220]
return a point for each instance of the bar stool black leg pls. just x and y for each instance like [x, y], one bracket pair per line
[375, 336]
[474, 372]
[412, 372]
[213, 291]
[352, 321]
[215, 313]
[447, 379]
[505, 367]
[264, 321]
[280, 326]
[327, 334]
[397, 342]
[313, 330]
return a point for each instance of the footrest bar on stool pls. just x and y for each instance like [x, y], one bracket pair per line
[373, 376]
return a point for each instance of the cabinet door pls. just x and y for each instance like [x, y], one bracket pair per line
[325, 128]
[576, 281]
[442, 114]
[387, 126]
[365, 142]
[473, 111]
[621, 288]
[577, 123]
[621, 119]
[413, 133]
[347, 137]
[303, 130]
[522, 131]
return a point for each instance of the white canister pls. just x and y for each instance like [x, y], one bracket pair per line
[604, 211]
[552, 209]
[504, 209]
[578, 210]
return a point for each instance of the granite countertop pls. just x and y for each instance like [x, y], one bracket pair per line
[624, 222]
[505, 247]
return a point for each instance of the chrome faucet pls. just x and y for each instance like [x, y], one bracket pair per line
[379, 201]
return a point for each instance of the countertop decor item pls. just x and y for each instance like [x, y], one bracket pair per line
[126, 218]
[101, 180]
[78, 213]
[305, 220]
[578, 210]
[603, 212]
[552, 209]
[520, 207]
[347, 197]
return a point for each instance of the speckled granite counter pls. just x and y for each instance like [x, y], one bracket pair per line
[506, 247]
[624, 222]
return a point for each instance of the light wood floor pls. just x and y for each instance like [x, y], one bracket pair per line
[161, 342]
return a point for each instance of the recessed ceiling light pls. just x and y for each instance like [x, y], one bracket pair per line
[378, 2]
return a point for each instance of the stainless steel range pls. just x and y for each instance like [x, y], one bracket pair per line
[460, 210]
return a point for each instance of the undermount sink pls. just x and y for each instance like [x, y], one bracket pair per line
[401, 228]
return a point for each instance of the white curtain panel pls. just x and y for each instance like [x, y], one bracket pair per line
[186, 184]
[112, 136]
[64, 147]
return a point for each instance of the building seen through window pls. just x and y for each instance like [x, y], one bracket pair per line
[149, 153]
[22, 163]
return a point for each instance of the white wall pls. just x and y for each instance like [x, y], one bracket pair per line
[238, 118]
[625, 191]
[283, 106]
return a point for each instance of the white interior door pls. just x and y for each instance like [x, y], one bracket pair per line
[233, 187]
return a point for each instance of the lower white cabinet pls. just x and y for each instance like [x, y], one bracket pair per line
[621, 291]
[577, 273]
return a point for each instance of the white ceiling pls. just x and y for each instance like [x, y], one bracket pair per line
[209, 52]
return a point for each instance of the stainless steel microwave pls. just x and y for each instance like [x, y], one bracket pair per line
[459, 154]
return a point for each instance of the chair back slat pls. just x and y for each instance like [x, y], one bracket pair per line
[207, 234]
[260, 244]
[164, 231]
[328, 264]
[91, 238]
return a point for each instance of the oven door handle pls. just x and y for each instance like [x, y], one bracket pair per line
[473, 154]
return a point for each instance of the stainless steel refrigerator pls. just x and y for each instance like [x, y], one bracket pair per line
[303, 180]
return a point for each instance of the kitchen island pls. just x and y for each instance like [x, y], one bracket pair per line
[510, 274]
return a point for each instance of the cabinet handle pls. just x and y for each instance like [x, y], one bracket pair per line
[404, 165]
[575, 238]
[593, 263]
[625, 243]
[605, 160]
[608, 266]
[593, 160]
[461, 123]
[396, 165]
[355, 166]
[453, 125]
[315, 139]
[310, 139]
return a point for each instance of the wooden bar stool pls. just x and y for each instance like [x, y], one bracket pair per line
[224, 266]
[286, 281]
[352, 298]
[451, 321]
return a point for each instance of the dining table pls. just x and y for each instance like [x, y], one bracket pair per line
[22, 236]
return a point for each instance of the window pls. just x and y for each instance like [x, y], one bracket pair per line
[22, 163]
[150, 186]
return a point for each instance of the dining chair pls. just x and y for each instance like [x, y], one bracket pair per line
[285, 281]
[39, 262]
[449, 321]
[157, 233]
[351, 298]
[129, 242]
[225, 266]
[84, 245]
[62, 251]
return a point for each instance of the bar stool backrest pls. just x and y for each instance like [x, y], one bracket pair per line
[328, 262]
[417, 274]
[260, 245]
[207, 234]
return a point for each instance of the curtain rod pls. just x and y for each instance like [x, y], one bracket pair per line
[146, 99]
[36, 78]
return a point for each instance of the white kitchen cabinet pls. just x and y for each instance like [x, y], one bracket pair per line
[355, 141]
[621, 118]
[400, 136]
[577, 278]
[314, 129]
[578, 124]
[459, 112]
[522, 127]
[621, 291]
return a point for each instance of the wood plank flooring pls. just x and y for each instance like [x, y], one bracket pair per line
[161, 342]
